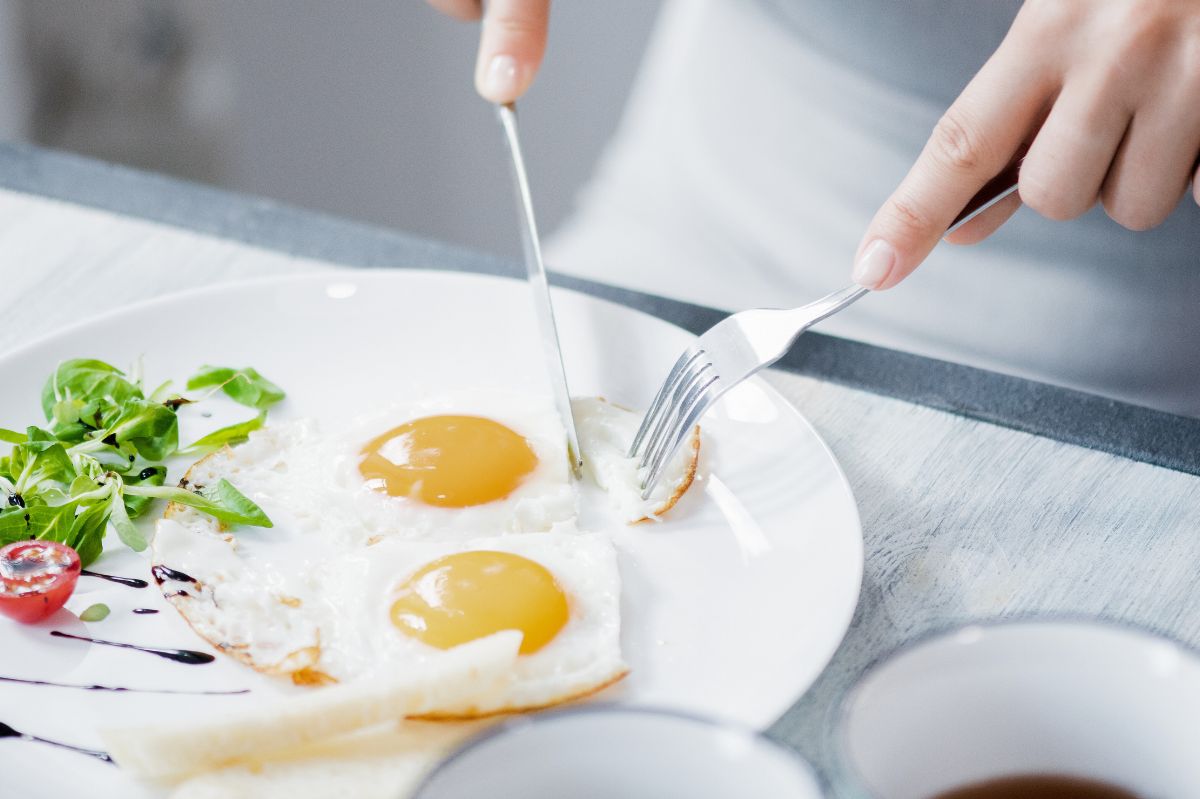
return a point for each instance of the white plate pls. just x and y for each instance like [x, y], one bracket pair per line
[731, 608]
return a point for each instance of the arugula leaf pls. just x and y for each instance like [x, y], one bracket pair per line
[128, 532]
[48, 522]
[235, 507]
[86, 380]
[66, 412]
[33, 434]
[46, 466]
[152, 429]
[226, 436]
[245, 386]
[150, 476]
[221, 501]
[87, 532]
[96, 612]
[95, 458]
[39, 462]
[83, 532]
[12, 436]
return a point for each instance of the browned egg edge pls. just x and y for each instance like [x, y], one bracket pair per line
[688, 477]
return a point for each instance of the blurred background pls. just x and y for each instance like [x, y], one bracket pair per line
[363, 109]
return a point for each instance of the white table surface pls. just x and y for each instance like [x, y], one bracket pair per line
[963, 520]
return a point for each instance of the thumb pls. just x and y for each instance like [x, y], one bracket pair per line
[511, 47]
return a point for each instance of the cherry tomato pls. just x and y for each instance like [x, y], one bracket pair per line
[36, 578]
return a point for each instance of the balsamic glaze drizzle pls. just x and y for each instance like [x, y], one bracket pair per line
[132, 582]
[164, 573]
[144, 611]
[188, 656]
[118, 689]
[8, 732]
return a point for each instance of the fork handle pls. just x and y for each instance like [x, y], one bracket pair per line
[992, 192]
[830, 304]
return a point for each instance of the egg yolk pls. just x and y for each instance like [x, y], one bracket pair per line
[449, 461]
[469, 595]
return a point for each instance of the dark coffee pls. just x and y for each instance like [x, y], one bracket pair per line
[1039, 786]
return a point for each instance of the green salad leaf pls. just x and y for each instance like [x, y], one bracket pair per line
[128, 532]
[135, 506]
[241, 385]
[226, 436]
[97, 459]
[149, 427]
[96, 612]
[87, 380]
[87, 531]
[222, 502]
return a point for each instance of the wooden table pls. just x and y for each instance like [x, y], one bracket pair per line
[981, 495]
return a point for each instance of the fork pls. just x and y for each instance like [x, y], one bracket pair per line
[742, 344]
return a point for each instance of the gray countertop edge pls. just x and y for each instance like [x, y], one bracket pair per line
[1053, 412]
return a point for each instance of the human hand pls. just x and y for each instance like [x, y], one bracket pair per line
[1106, 94]
[511, 43]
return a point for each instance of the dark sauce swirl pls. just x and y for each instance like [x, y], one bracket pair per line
[164, 573]
[186, 656]
[121, 689]
[132, 582]
[8, 732]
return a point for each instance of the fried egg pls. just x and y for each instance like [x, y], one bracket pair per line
[397, 604]
[605, 434]
[447, 468]
[561, 591]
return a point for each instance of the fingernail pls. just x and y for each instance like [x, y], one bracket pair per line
[498, 82]
[874, 265]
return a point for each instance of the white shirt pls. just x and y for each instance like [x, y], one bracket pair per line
[755, 150]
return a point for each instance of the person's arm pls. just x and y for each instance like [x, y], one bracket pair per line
[511, 44]
[1106, 94]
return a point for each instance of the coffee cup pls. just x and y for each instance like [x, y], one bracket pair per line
[1095, 700]
[614, 752]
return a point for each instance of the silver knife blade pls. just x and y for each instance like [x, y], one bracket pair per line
[543, 307]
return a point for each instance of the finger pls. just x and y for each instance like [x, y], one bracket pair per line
[987, 223]
[1068, 160]
[511, 47]
[465, 10]
[1196, 184]
[973, 141]
[1154, 162]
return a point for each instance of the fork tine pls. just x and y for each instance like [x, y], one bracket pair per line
[679, 409]
[683, 382]
[681, 397]
[704, 401]
[659, 404]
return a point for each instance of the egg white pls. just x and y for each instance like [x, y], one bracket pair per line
[605, 434]
[312, 475]
[544, 499]
[330, 618]
[359, 638]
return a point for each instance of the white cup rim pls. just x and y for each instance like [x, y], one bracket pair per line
[520, 722]
[844, 765]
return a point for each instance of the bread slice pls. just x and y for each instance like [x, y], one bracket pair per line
[471, 674]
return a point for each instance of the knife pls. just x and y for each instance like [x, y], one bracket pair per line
[538, 282]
